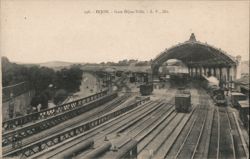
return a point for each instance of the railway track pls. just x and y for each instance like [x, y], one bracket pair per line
[229, 143]
[191, 146]
[210, 132]
[102, 131]
[37, 127]
[226, 140]
[144, 125]
[114, 128]
[188, 142]
[140, 131]
[74, 121]
[222, 142]
[71, 133]
[70, 123]
[242, 151]
[157, 143]
[206, 132]
[192, 139]
[213, 134]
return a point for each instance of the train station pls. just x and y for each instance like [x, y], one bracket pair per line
[201, 59]
[125, 79]
[191, 102]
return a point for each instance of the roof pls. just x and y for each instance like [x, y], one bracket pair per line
[195, 53]
[244, 104]
[237, 94]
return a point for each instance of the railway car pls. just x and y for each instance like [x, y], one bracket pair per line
[244, 112]
[236, 97]
[132, 79]
[146, 89]
[177, 74]
[183, 101]
[179, 78]
[119, 73]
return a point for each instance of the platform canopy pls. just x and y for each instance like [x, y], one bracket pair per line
[195, 54]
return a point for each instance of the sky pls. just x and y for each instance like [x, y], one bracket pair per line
[42, 30]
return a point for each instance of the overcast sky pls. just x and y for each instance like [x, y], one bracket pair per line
[40, 30]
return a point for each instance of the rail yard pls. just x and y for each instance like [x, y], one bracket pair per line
[190, 112]
[148, 126]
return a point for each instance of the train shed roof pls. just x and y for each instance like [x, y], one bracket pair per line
[195, 53]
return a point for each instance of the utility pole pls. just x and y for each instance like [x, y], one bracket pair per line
[11, 106]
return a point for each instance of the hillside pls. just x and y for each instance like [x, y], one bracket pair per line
[53, 64]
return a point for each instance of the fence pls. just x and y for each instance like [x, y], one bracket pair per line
[20, 121]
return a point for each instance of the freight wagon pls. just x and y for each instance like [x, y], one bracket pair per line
[183, 101]
[146, 89]
[132, 79]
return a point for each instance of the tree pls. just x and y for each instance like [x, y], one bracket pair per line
[39, 78]
[60, 95]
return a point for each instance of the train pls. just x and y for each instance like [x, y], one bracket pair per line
[211, 84]
[176, 74]
[179, 78]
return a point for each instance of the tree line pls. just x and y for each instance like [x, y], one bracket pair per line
[127, 62]
[47, 83]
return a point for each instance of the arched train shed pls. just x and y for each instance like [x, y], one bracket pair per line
[200, 58]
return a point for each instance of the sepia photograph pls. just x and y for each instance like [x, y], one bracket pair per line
[126, 79]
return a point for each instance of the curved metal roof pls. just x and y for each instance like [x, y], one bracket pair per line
[194, 53]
